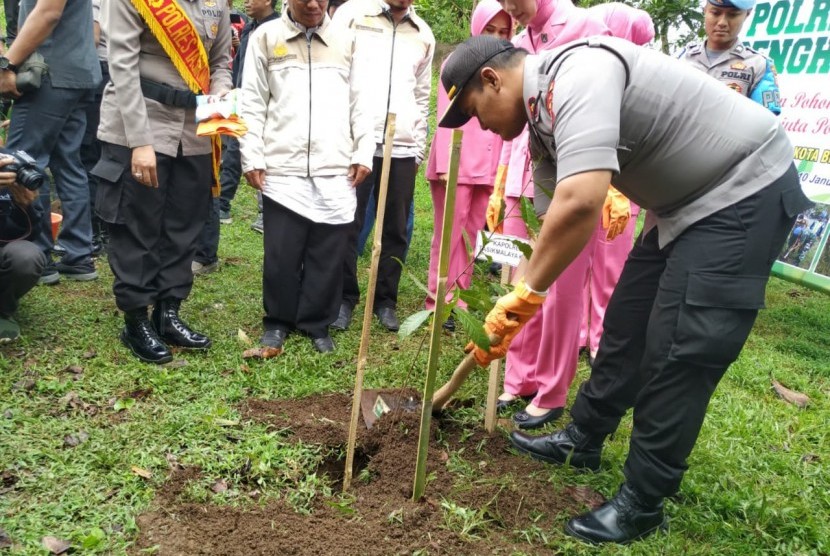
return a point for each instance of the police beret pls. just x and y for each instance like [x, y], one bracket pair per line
[738, 4]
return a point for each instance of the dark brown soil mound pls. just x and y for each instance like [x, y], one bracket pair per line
[479, 499]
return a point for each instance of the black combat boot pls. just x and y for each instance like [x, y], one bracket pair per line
[570, 445]
[627, 517]
[174, 330]
[140, 336]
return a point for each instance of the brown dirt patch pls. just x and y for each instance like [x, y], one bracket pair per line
[469, 468]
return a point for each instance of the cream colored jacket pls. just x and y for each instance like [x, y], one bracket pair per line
[306, 113]
[397, 61]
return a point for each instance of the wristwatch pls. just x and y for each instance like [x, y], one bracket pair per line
[6, 65]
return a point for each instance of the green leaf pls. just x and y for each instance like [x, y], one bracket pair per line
[93, 539]
[477, 297]
[413, 323]
[473, 327]
[414, 278]
[529, 215]
[123, 404]
[524, 247]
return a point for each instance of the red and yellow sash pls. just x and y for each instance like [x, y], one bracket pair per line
[179, 39]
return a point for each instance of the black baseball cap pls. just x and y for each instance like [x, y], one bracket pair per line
[465, 61]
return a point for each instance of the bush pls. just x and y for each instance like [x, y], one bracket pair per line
[449, 19]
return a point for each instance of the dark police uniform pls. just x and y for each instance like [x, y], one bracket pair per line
[715, 172]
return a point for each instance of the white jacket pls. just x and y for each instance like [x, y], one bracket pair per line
[305, 111]
[397, 61]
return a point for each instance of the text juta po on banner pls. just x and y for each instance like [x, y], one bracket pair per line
[796, 36]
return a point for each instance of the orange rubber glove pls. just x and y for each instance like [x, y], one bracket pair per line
[506, 320]
[496, 204]
[616, 211]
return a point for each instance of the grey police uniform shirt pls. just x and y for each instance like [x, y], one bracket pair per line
[69, 50]
[740, 68]
[130, 120]
[678, 144]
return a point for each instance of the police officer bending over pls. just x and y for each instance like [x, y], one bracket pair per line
[714, 171]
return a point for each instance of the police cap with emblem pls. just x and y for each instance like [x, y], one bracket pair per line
[466, 60]
[737, 4]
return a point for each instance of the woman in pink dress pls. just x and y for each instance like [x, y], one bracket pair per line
[480, 152]
[541, 361]
[609, 251]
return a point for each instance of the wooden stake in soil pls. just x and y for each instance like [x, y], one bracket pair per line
[370, 299]
[495, 374]
[437, 321]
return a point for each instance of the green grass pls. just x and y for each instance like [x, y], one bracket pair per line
[758, 481]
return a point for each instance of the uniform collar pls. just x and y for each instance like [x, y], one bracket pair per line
[295, 29]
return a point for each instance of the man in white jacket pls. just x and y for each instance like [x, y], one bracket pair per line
[309, 145]
[394, 53]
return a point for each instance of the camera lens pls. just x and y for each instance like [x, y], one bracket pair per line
[30, 178]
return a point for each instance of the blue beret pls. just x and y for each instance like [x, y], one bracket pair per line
[738, 4]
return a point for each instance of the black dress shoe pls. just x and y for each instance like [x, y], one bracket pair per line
[323, 345]
[388, 319]
[273, 338]
[570, 445]
[141, 338]
[344, 317]
[526, 421]
[173, 329]
[503, 406]
[627, 517]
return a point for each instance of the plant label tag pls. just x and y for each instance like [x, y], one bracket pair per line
[501, 248]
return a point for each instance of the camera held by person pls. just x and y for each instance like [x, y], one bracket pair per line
[28, 173]
[21, 261]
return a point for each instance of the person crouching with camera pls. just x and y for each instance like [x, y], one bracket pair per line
[21, 261]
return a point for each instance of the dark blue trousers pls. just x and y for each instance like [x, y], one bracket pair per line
[49, 124]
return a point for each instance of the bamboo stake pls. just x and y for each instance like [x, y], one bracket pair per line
[495, 374]
[370, 299]
[419, 484]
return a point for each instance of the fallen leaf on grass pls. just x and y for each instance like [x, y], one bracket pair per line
[140, 394]
[242, 337]
[173, 461]
[5, 540]
[89, 354]
[8, 414]
[25, 385]
[586, 495]
[73, 440]
[55, 545]
[791, 396]
[143, 473]
[810, 458]
[176, 364]
[261, 353]
[225, 422]
[74, 369]
[219, 486]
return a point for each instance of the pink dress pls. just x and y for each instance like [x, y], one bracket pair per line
[608, 257]
[480, 152]
[543, 357]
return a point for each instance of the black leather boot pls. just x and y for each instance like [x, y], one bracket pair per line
[174, 330]
[627, 517]
[583, 449]
[141, 338]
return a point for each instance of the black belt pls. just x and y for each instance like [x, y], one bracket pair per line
[166, 94]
